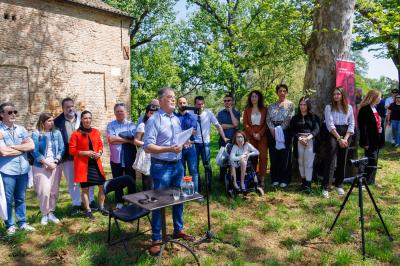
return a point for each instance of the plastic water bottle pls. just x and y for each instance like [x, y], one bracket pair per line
[187, 186]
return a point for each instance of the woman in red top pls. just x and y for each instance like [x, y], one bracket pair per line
[255, 125]
[372, 137]
[86, 147]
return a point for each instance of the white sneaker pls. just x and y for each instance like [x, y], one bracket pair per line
[27, 227]
[44, 220]
[325, 194]
[53, 218]
[275, 184]
[11, 230]
[340, 191]
[119, 206]
[283, 185]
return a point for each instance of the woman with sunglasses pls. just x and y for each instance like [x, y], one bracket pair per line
[147, 181]
[255, 126]
[241, 151]
[14, 166]
[49, 148]
[87, 147]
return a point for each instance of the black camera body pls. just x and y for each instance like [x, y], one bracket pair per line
[363, 162]
[192, 108]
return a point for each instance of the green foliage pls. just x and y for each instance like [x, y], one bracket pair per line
[378, 23]
[343, 258]
[150, 18]
[232, 46]
[152, 68]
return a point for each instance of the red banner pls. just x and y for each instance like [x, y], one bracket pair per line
[345, 77]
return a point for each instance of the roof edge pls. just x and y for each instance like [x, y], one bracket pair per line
[109, 10]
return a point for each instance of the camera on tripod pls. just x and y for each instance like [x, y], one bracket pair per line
[363, 162]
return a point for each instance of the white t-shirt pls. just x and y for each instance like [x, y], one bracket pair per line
[140, 128]
[49, 151]
[207, 118]
[388, 102]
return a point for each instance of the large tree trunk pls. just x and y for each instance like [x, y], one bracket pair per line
[330, 40]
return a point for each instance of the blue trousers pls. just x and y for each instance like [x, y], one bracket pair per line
[200, 153]
[189, 158]
[396, 131]
[166, 175]
[15, 187]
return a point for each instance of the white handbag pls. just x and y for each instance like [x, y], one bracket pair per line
[3, 202]
[221, 157]
[142, 162]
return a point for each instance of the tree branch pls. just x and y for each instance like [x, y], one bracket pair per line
[207, 7]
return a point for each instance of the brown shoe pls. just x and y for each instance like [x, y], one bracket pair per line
[155, 248]
[183, 236]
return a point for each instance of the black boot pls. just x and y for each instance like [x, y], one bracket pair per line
[308, 187]
[303, 185]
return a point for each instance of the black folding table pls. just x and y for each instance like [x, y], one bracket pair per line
[152, 200]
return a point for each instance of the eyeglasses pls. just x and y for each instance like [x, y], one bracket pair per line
[227, 101]
[12, 112]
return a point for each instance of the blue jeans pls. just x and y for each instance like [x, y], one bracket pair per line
[14, 188]
[199, 151]
[189, 157]
[166, 175]
[396, 131]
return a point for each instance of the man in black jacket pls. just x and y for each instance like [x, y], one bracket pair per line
[67, 122]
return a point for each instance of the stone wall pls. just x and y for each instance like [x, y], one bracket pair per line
[53, 49]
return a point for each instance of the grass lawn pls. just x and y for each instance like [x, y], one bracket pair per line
[284, 227]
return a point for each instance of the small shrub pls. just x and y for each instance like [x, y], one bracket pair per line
[272, 225]
[343, 258]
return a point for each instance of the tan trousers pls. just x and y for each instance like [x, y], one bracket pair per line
[47, 183]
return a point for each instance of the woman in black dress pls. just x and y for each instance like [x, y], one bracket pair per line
[87, 147]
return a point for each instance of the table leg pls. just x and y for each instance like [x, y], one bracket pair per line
[165, 241]
[163, 226]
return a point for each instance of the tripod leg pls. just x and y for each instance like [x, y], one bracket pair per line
[378, 211]
[344, 203]
[360, 204]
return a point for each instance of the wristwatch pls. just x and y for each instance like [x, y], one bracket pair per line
[339, 138]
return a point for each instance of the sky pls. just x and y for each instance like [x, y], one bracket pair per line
[377, 67]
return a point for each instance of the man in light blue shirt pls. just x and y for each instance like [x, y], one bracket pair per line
[120, 134]
[166, 170]
[14, 166]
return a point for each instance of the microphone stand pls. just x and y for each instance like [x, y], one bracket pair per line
[207, 167]
[208, 236]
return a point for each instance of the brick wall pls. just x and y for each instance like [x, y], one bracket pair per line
[53, 49]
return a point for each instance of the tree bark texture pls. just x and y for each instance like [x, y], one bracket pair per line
[329, 41]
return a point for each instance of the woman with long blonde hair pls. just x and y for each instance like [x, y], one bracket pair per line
[49, 148]
[372, 137]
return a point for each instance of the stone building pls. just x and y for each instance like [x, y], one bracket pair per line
[50, 49]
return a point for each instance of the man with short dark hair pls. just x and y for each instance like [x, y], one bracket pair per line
[120, 135]
[189, 156]
[229, 119]
[67, 122]
[15, 143]
[206, 119]
[166, 170]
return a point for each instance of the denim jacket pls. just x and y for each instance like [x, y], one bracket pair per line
[40, 140]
